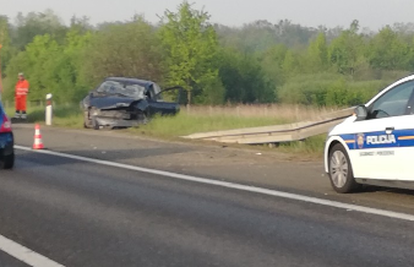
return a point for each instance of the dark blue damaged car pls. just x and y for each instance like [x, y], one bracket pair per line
[125, 102]
[6, 141]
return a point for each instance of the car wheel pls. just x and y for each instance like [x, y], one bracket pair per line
[143, 118]
[8, 162]
[340, 171]
[86, 121]
[95, 124]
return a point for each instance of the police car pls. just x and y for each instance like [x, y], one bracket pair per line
[375, 146]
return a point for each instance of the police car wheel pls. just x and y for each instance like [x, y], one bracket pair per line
[340, 171]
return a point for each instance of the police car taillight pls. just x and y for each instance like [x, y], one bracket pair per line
[6, 125]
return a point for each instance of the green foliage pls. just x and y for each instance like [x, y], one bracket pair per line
[261, 35]
[191, 57]
[37, 61]
[291, 64]
[50, 67]
[35, 24]
[388, 51]
[317, 54]
[272, 62]
[70, 63]
[244, 79]
[130, 50]
[346, 53]
[260, 62]
[329, 90]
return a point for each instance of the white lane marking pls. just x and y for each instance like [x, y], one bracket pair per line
[25, 255]
[253, 189]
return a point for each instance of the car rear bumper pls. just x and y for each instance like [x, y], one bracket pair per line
[6, 144]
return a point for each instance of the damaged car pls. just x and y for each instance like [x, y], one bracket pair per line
[126, 102]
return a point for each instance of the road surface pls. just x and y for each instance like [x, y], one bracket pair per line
[80, 213]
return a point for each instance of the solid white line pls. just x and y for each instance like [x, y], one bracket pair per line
[25, 255]
[253, 189]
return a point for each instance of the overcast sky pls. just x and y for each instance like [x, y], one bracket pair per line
[371, 13]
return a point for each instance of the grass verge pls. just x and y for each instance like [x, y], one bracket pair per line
[65, 115]
[185, 124]
[312, 146]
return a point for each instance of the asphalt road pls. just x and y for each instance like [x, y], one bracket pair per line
[84, 214]
[264, 168]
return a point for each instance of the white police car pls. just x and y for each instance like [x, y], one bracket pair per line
[375, 146]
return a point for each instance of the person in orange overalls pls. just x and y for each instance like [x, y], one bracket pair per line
[22, 89]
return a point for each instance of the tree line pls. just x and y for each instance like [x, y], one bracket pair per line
[260, 62]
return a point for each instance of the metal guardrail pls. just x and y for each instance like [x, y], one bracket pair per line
[275, 134]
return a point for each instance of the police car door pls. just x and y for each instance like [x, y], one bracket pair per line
[384, 142]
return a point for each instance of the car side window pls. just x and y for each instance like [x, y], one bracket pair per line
[154, 92]
[393, 103]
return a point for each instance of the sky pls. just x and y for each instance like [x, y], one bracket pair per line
[373, 14]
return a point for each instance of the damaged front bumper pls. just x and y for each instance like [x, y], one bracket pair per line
[117, 118]
[116, 123]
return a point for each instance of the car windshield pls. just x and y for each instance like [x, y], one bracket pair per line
[135, 91]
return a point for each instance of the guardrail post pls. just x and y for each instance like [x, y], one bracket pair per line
[49, 110]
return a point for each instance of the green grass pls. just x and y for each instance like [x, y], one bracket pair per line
[312, 146]
[185, 124]
[66, 115]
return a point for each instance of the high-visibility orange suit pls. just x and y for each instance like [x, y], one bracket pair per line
[22, 88]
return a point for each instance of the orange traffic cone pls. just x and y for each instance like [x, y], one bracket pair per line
[38, 143]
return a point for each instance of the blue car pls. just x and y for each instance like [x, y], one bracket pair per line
[6, 141]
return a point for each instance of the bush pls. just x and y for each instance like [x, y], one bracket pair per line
[329, 90]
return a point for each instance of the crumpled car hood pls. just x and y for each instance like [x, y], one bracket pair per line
[112, 102]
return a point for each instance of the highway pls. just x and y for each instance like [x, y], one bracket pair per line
[80, 213]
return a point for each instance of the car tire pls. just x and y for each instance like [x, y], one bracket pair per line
[95, 124]
[8, 162]
[90, 119]
[86, 121]
[340, 171]
[143, 118]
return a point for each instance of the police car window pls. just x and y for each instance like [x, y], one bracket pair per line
[394, 102]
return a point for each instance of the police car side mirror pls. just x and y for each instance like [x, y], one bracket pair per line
[361, 112]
